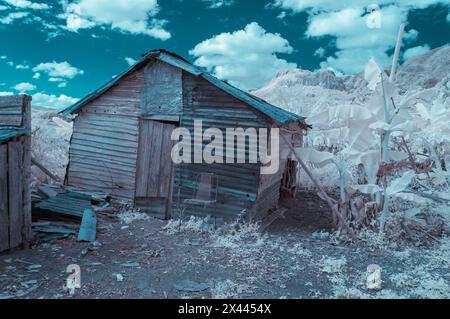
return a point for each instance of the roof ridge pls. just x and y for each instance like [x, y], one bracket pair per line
[276, 113]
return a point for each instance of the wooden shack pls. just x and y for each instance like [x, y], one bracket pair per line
[15, 162]
[122, 144]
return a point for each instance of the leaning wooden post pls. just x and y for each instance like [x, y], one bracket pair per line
[397, 53]
[26, 230]
[341, 221]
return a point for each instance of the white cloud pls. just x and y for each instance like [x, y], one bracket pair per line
[36, 76]
[128, 16]
[11, 17]
[55, 80]
[130, 61]
[214, 4]
[282, 15]
[3, 93]
[448, 18]
[247, 58]
[3, 57]
[53, 101]
[320, 52]
[58, 70]
[418, 50]
[22, 66]
[24, 87]
[315, 6]
[25, 4]
[3, 8]
[346, 20]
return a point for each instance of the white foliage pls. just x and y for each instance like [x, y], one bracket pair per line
[313, 156]
[400, 184]
[372, 74]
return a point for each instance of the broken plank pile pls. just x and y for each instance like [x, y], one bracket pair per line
[59, 213]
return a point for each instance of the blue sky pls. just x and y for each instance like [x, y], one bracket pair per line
[59, 51]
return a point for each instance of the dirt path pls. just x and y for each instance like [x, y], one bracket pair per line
[143, 260]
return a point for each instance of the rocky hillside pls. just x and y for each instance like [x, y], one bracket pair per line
[306, 92]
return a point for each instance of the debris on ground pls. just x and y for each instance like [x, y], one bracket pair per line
[191, 286]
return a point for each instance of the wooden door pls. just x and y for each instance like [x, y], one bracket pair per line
[155, 169]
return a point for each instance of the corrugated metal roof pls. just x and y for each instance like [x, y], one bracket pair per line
[7, 133]
[276, 113]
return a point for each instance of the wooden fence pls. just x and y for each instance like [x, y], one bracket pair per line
[15, 162]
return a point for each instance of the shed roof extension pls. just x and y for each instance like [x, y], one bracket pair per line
[277, 114]
[7, 133]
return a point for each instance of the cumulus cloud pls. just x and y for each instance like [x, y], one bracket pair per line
[130, 61]
[3, 93]
[415, 51]
[53, 101]
[214, 4]
[346, 20]
[22, 66]
[315, 6]
[24, 87]
[320, 52]
[62, 70]
[247, 58]
[3, 8]
[25, 4]
[128, 16]
[13, 16]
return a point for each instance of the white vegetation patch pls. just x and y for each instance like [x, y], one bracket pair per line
[332, 265]
[237, 234]
[300, 251]
[131, 215]
[193, 225]
[228, 289]
[50, 143]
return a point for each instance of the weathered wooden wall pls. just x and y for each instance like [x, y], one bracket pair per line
[155, 169]
[11, 110]
[109, 134]
[15, 163]
[163, 91]
[238, 183]
[104, 145]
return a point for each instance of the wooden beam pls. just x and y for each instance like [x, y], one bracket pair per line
[342, 223]
[36, 163]
[4, 211]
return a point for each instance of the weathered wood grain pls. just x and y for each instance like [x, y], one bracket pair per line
[15, 179]
[4, 215]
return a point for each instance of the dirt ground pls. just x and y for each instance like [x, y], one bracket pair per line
[141, 257]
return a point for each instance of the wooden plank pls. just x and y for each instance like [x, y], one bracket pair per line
[26, 175]
[4, 218]
[155, 160]
[88, 228]
[111, 141]
[165, 178]
[143, 166]
[11, 110]
[11, 120]
[11, 101]
[15, 179]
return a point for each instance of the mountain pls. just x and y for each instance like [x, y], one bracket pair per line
[304, 92]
